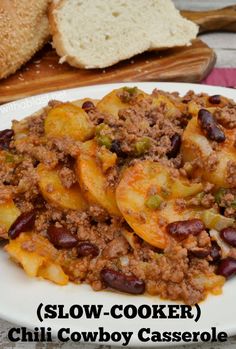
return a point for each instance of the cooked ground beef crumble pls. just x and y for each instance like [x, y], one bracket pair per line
[142, 131]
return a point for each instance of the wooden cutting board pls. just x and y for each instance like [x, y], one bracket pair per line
[43, 73]
[190, 64]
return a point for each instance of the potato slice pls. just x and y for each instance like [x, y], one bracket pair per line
[194, 142]
[107, 158]
[55, 193]
[8, 214]
[131, 238]
[37, 260]
[133, 191]
[68, 120]
[111, 103]
[210, 283]
[92, 179]
[193, 108]
[54, 273]
[196, 145]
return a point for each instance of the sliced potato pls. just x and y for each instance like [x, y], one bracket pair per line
[194, 142]
[131, 238]
[196, 145]
[134, 189]
[193, 108]
[92, 179]
[55, 193]
[53, 272]
[111, 103]
[211, 282]
[8, 214]
[107, 158]
[68, 120]
[39, 259]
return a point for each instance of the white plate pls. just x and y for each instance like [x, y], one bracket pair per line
[20, 295]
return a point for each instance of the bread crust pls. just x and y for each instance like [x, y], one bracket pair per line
[24, 30]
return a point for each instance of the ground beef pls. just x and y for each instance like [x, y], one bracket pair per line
[128, 95]
[207, 200]
[173, 96]
[141, 121]
[112, 176]
[172, 276]
[65, 146]
[67, 177]
[230, 212]
[231, 173]
[41, 153]
[5, 193]
[36, 124]
[199, 99]
[98, 213]
[227, 201]
[46, 216]
[211, 162]
[226, 116]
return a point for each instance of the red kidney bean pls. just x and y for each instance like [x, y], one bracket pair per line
[227, 267]
[215, 251]
[209, 125]
[88, 105]
[85, 249]
[121, 282]
[99, 121]
[23, 223]
[215, 99]
[5, 138]
[61, 237]
[175, 146]
[229, 235]
[181, 229]
[200, 252]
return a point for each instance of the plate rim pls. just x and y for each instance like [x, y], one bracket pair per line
[7, 107]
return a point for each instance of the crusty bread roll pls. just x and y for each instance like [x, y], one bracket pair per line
[23, 30]
[99, 33]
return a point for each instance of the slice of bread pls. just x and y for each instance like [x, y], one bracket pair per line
[100, 33]
[24, 29]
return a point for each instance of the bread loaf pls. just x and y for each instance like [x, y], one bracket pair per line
[99, 33]
[23, 30]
